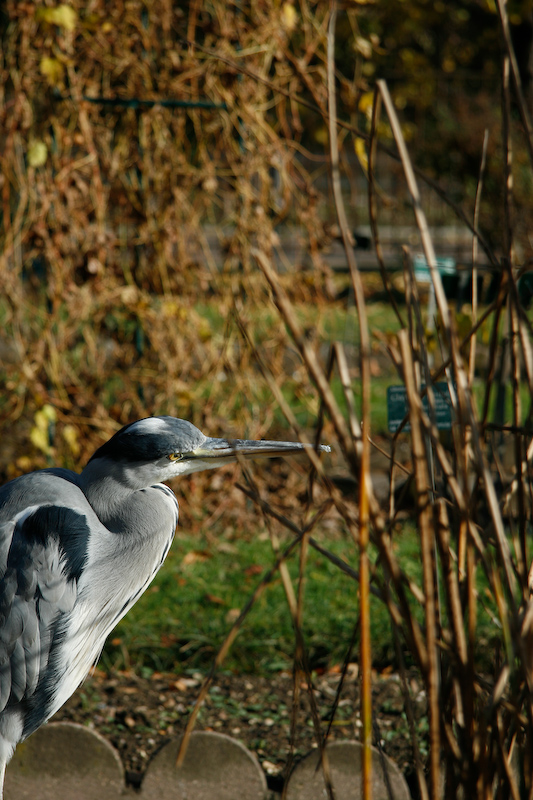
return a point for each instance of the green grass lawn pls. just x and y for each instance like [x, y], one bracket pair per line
[181, 621]
[183, 618]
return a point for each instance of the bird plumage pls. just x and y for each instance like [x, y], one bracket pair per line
[78, 550]
[67, 580]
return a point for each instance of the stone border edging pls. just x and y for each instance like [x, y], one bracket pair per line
[306, 782]
[67, 760]
[64, 759]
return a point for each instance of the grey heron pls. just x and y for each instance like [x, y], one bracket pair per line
[78, 550]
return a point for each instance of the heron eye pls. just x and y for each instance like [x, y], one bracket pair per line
[175, 456]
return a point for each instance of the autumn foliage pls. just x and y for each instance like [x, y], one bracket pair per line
[137, 172]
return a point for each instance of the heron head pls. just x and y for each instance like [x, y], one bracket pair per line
[166, 447]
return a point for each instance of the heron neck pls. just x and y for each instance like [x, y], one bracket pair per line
[119, 496]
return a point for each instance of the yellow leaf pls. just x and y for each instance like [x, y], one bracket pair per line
[360, 152]
[204, 329]
[37, 154]
[46, 414]
[170, 308]
[322, 135]
[52, 69]
[289, 16]
[432, 341]
[366, 103]
[40, 439]
[70, 435]
[64, 16]
[40, 434]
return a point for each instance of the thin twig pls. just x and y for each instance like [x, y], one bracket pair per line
[507, 162]
[427, 244]
[372, 206]
[427, 543]
[365, 485]
[522, 106]
[475, 248]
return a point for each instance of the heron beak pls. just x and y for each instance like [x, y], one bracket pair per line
[215, 453]
[228, 450]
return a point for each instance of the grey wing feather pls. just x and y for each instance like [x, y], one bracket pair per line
[18, 671]
[5, 677]
[32, 647]
[37, 587]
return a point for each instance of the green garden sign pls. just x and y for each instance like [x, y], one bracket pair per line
[398, 408]
[445, 266]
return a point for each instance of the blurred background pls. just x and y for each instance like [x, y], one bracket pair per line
[148, 152]
[146, 147]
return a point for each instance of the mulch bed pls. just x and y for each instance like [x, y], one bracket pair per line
[138, 715]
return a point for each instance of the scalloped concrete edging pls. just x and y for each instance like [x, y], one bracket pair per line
[216, 766]
[307, 782]
[62, 760]
[67, 760]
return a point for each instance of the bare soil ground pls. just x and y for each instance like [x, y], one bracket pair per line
[138, 715]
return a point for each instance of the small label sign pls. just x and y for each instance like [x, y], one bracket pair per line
[397, 407]
[445, 266]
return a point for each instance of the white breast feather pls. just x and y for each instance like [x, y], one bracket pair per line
[110, 584]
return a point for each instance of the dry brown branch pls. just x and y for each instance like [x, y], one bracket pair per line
[507, 161]
[425, 521]
[372, 206]
[344, 373]
[394, 572]
[365, 483]
[522, 106]
[427, 244]
[475, 247]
